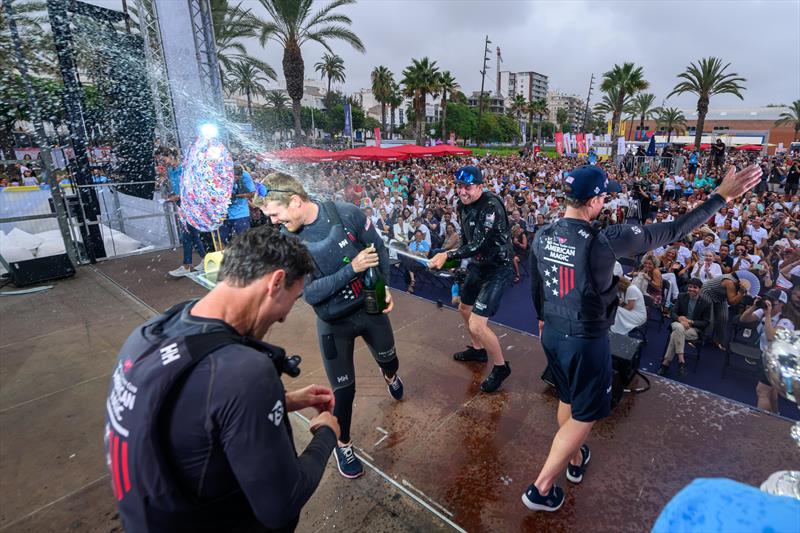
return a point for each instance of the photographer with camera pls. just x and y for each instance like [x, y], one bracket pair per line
[238, 219]
[486, 241]
[767, 312]
[197, 432]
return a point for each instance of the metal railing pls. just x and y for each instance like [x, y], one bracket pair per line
[644, 164]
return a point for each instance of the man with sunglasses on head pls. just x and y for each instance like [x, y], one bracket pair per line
[575, 295]
[486, 242]
[343, 244]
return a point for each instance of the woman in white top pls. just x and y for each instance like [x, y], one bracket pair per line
[401, 230]
[631, 312]
[707, 268]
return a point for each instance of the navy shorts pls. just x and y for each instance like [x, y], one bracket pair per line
[484, 286]
[581, 369]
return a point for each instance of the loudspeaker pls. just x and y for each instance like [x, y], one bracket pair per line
[625, 356]
[40, 269]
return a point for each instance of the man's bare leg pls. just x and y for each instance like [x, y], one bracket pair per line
[479, 329]
[466, 311]
[566, 444]
[564, 414]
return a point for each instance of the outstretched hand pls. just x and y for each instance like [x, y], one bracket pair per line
[735, 184]
[316, 396]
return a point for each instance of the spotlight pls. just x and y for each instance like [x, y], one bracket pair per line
[209, 131]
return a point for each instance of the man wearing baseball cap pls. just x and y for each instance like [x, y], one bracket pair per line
[575, 296]
[486, 242]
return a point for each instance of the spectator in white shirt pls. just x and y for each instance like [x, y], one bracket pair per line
[705, 245]
[706, 269]
[757, 232]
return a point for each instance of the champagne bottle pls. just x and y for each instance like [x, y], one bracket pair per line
[451, 263]
[374, 291]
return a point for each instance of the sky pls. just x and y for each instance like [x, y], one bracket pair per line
[570, 40]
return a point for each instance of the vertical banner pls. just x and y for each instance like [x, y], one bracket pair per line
[348, 128]
[621, 146]
[522, 131]
[609, 128]
[568, 144]
[559, 143]
[377, 137]
[622, 128]
[452, 140]
[581, 143]
[589, 140]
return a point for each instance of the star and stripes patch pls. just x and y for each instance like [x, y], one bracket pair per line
[559, 279]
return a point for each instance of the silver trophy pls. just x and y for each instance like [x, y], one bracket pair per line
[782, 366]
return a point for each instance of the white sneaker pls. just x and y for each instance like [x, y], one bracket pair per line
[199, 268]
[180, 272]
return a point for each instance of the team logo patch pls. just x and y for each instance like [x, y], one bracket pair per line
[489, 221]
[562, 240]
[276, 415]
[636, 229]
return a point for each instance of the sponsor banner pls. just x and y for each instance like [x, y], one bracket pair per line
[377, 137]
[559, 143]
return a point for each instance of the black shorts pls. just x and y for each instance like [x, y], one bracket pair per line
[336, 341]
[581, 369]
[484, 286]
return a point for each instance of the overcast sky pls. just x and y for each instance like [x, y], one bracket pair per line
[570, 40]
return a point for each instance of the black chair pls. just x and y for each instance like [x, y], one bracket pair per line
[639, 333]
[744, 343]
[695, 345]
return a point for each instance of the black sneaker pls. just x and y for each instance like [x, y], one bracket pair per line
[683, 371]
[395, 387]
[495, 379]
[550, 502]
[575, 473]
[663, 371]
[472, 354]
[349, 465]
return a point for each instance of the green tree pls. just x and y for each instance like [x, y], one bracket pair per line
[791, 118]
[463, 120]
[382, 84]
[539, 108]
[331, 67]
[293, 25]
[395, 101]
[232, 23]
[447, 85]
[642, 106]
[627, 79]
[420, 79]
[671, 119]
[244, 78]
[518, 107]
[705, 79]
[562, 119]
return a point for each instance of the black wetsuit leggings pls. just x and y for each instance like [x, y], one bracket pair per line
[336, 341]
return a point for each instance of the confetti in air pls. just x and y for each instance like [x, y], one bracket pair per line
[206, 184]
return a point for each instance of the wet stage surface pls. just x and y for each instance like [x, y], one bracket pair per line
[447, 456]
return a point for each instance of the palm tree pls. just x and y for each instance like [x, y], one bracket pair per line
[230, 24]
[627, 79]
[671, 119]
[539, 108]
[608, 104]
[642, 106]
[332, 67]
[382, 80]
[293, 25]
[244, 78]
[706, 79]
[420, 79]
[791, 118]
[395, 101]
[519, 106]
[447, 85]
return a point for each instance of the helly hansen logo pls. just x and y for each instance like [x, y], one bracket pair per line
[583, 233]
[276, 415]
[636, 229]
[169, 354]
[342, 243]
[342, 379]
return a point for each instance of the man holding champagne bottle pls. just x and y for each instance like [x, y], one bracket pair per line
[347, 291]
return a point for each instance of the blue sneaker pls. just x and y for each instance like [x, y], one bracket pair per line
[349, 465]
[395, 387]
[552, 501]
[575, 473]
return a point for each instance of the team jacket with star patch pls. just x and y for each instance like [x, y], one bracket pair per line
[573, 286]
[485, 232]
[197, 436]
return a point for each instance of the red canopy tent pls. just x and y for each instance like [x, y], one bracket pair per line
[304, 153]
[412, 150]
[371, 153]
[690, 147]
[448, 149]
[749, 147]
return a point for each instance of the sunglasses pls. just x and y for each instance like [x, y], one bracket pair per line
[465, 177]
[264, 190]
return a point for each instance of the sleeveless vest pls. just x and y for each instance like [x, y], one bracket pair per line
[572, 302]
[331, 254]
[149, 495]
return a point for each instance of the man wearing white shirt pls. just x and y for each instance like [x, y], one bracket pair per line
[707, 269]
[705, 245]
[669, 187]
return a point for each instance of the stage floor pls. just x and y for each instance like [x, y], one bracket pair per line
[446, 457]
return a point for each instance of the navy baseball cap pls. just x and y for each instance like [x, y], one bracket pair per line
[588, 181]
[469, 175]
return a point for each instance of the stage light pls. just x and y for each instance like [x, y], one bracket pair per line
[209, 131]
